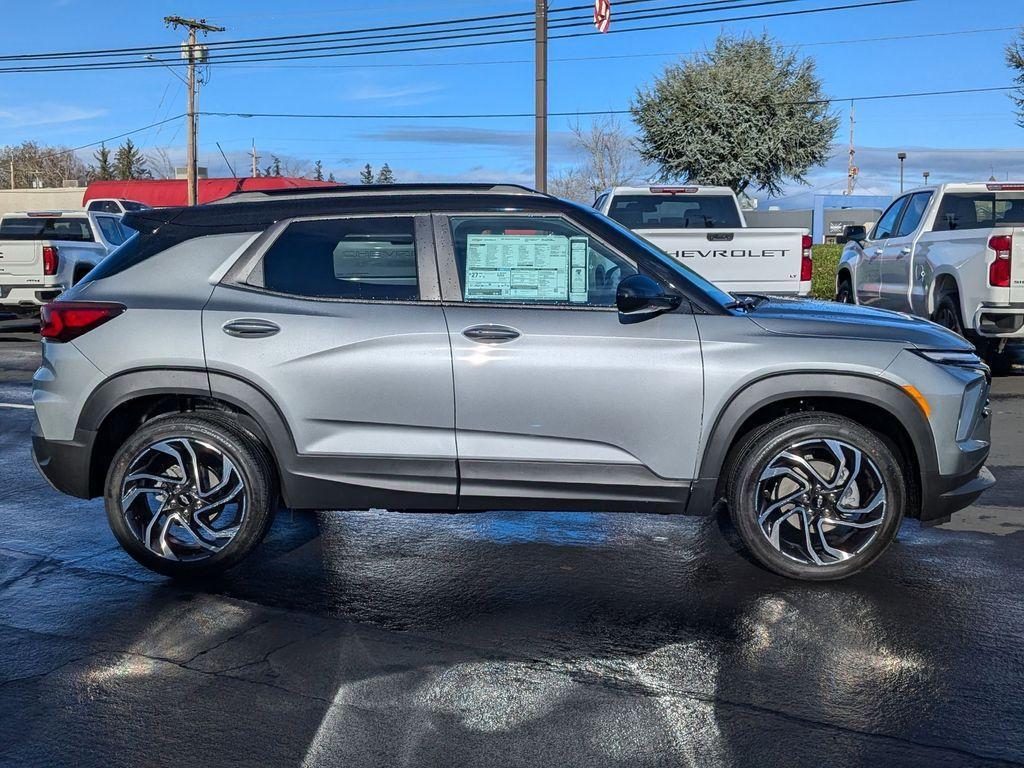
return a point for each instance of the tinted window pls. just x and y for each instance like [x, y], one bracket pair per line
[887, 223]
[680, 211]
[912, 216]
[372, 258]
[130, 205]
[45, 228]
[534, 260]
[104, 206]
[111, 230]
[599, 203]
[979, 210]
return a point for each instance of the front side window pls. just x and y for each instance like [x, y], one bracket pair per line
[885, 226]
[915, 211]
[678, 211]
[353, 258]
[535, 260]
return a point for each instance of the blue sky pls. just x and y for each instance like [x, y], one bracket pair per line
[955, 137]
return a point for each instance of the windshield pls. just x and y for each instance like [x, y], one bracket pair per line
[713, 292]
[678, 211]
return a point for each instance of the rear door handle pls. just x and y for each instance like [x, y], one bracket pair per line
[250, 328]
[491, 334]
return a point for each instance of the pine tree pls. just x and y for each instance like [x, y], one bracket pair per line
[366, 175]
[130, 163]
[275, 167]
[103, 171]
[331, 178]
[385, 176]
[318, 171]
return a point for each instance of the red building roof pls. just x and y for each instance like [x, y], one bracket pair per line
[165, 193]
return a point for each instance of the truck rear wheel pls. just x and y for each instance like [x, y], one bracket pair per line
[815, 496]
[947, 313]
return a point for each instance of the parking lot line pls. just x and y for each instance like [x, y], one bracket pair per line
[16, 405]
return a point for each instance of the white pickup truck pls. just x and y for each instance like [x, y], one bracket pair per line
[703, 227]
[42, 253]
[953, 253]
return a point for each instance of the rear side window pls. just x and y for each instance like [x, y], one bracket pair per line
[680, 211]
[45, 228]
[981, 210]
[352, 258]
[915, 211]
[104, 206]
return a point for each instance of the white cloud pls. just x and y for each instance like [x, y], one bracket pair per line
[46, 114]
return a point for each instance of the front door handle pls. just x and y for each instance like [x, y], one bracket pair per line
[250, 328]
[879, 251]
[491, 334]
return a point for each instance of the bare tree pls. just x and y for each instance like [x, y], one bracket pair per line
[36, 163]
[606, 159]
[160, 164]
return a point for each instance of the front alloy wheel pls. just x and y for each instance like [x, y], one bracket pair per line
[815, 495]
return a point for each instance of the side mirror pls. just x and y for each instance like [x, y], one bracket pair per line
[639, 297]
[855, 233]
[841, 240]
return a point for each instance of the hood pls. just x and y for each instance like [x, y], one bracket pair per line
[811, 317]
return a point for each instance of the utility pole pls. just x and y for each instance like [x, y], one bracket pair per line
[255, 160]
[851, 171]
[12, 167]
[541, 127]
[192, 52]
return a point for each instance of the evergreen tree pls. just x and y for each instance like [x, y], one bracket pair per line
[275, 167]
[366, 175]
[103, 171]
[748, 112]
[318, 171]
[331, 178]
[130, 163]
[1015, 61]
[385, 176]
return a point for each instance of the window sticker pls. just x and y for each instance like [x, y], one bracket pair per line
[518, 268]
[579, 247]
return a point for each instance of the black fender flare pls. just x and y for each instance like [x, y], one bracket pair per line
[812, 385]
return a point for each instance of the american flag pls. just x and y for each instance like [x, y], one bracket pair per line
[602, 15]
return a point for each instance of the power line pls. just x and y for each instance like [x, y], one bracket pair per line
[581, 113]
[343, 51]
[112, 138]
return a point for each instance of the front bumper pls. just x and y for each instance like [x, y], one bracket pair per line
[945, 495]
[65, 464]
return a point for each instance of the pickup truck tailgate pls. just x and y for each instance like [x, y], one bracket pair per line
[749, 259]
[20, 259]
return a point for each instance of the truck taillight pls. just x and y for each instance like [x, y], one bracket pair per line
[67, 320]
[806, 262]
[51, 259]
[999, 270]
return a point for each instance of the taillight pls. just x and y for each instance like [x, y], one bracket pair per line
[806, 262]
[999, 270]
[51, 259]
[67, 320]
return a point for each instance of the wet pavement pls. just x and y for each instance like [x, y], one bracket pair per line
[371, 638]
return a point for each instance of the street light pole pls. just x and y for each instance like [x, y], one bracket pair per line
[926, 174]
[902, 156]
[541, 111]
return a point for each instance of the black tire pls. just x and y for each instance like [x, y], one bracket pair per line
[1001, 362]
[947, 313]
[753, 455]
[844, 292]
[252, 464]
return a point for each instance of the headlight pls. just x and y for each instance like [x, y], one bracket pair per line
[954, 357]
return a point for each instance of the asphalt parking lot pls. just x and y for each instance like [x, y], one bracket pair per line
[369, 638]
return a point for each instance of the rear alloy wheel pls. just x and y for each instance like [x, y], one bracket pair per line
[190, 495]
[816, 496]
[947, 313]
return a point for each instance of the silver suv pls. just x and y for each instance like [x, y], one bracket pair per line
[464, 348]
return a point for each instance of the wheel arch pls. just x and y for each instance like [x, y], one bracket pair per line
[882, 407]
[944, 281]
[123, 403]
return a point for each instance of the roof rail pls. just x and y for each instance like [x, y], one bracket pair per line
[375, 189]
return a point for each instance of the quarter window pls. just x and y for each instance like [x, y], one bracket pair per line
[369, 259]
[111, 231]
[534, 260]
